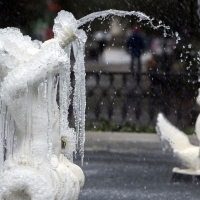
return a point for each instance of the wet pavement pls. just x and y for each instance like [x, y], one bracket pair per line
[133, 176]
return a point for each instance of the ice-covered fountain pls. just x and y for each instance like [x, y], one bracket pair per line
[176, 140]
[37, 144]
[35, 133]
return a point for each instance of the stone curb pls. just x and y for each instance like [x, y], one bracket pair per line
[124, 142]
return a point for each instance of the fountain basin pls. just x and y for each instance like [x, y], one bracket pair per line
[137, 175]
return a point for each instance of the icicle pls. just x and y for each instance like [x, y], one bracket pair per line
[4, 110]
[2, 136]
[41, 153]
[54, 95]
[1, 133]
[50, 112]
[11, 135]
[64, 102]
[28, 134]
[1, 140]
[7, 135]
[79, 102]
[64, 93]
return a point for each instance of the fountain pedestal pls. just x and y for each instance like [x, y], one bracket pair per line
[185, 177]
[177, 141]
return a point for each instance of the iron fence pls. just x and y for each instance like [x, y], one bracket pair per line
[137, 98]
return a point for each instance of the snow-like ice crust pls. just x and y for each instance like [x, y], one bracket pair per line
[33, 127]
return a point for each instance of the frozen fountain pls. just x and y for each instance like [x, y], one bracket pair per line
[35, 133]
[176, 140]
[37, 144]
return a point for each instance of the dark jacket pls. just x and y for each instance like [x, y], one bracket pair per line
[135, 44]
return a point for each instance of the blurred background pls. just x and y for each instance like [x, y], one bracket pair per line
[121, 95]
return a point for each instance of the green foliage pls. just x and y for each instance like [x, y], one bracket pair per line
[106, 125]
[189, 130]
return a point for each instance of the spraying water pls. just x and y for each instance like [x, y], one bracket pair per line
[103, 14]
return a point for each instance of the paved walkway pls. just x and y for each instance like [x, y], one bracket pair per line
[134, 176]
[124, 142]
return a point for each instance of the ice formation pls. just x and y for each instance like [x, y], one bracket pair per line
[34, 130]
[177, 141]
[36, 142]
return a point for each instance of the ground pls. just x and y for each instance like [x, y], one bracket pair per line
[133, 176]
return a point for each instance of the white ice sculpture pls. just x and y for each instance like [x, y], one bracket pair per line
[34, 131]
[173, 138]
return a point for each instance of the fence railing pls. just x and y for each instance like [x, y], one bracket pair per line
[137, 98]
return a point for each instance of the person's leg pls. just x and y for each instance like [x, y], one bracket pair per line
[139, 64]
[139, 69]
[132, 63]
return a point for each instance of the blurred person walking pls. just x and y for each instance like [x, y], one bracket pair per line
[135, 46]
